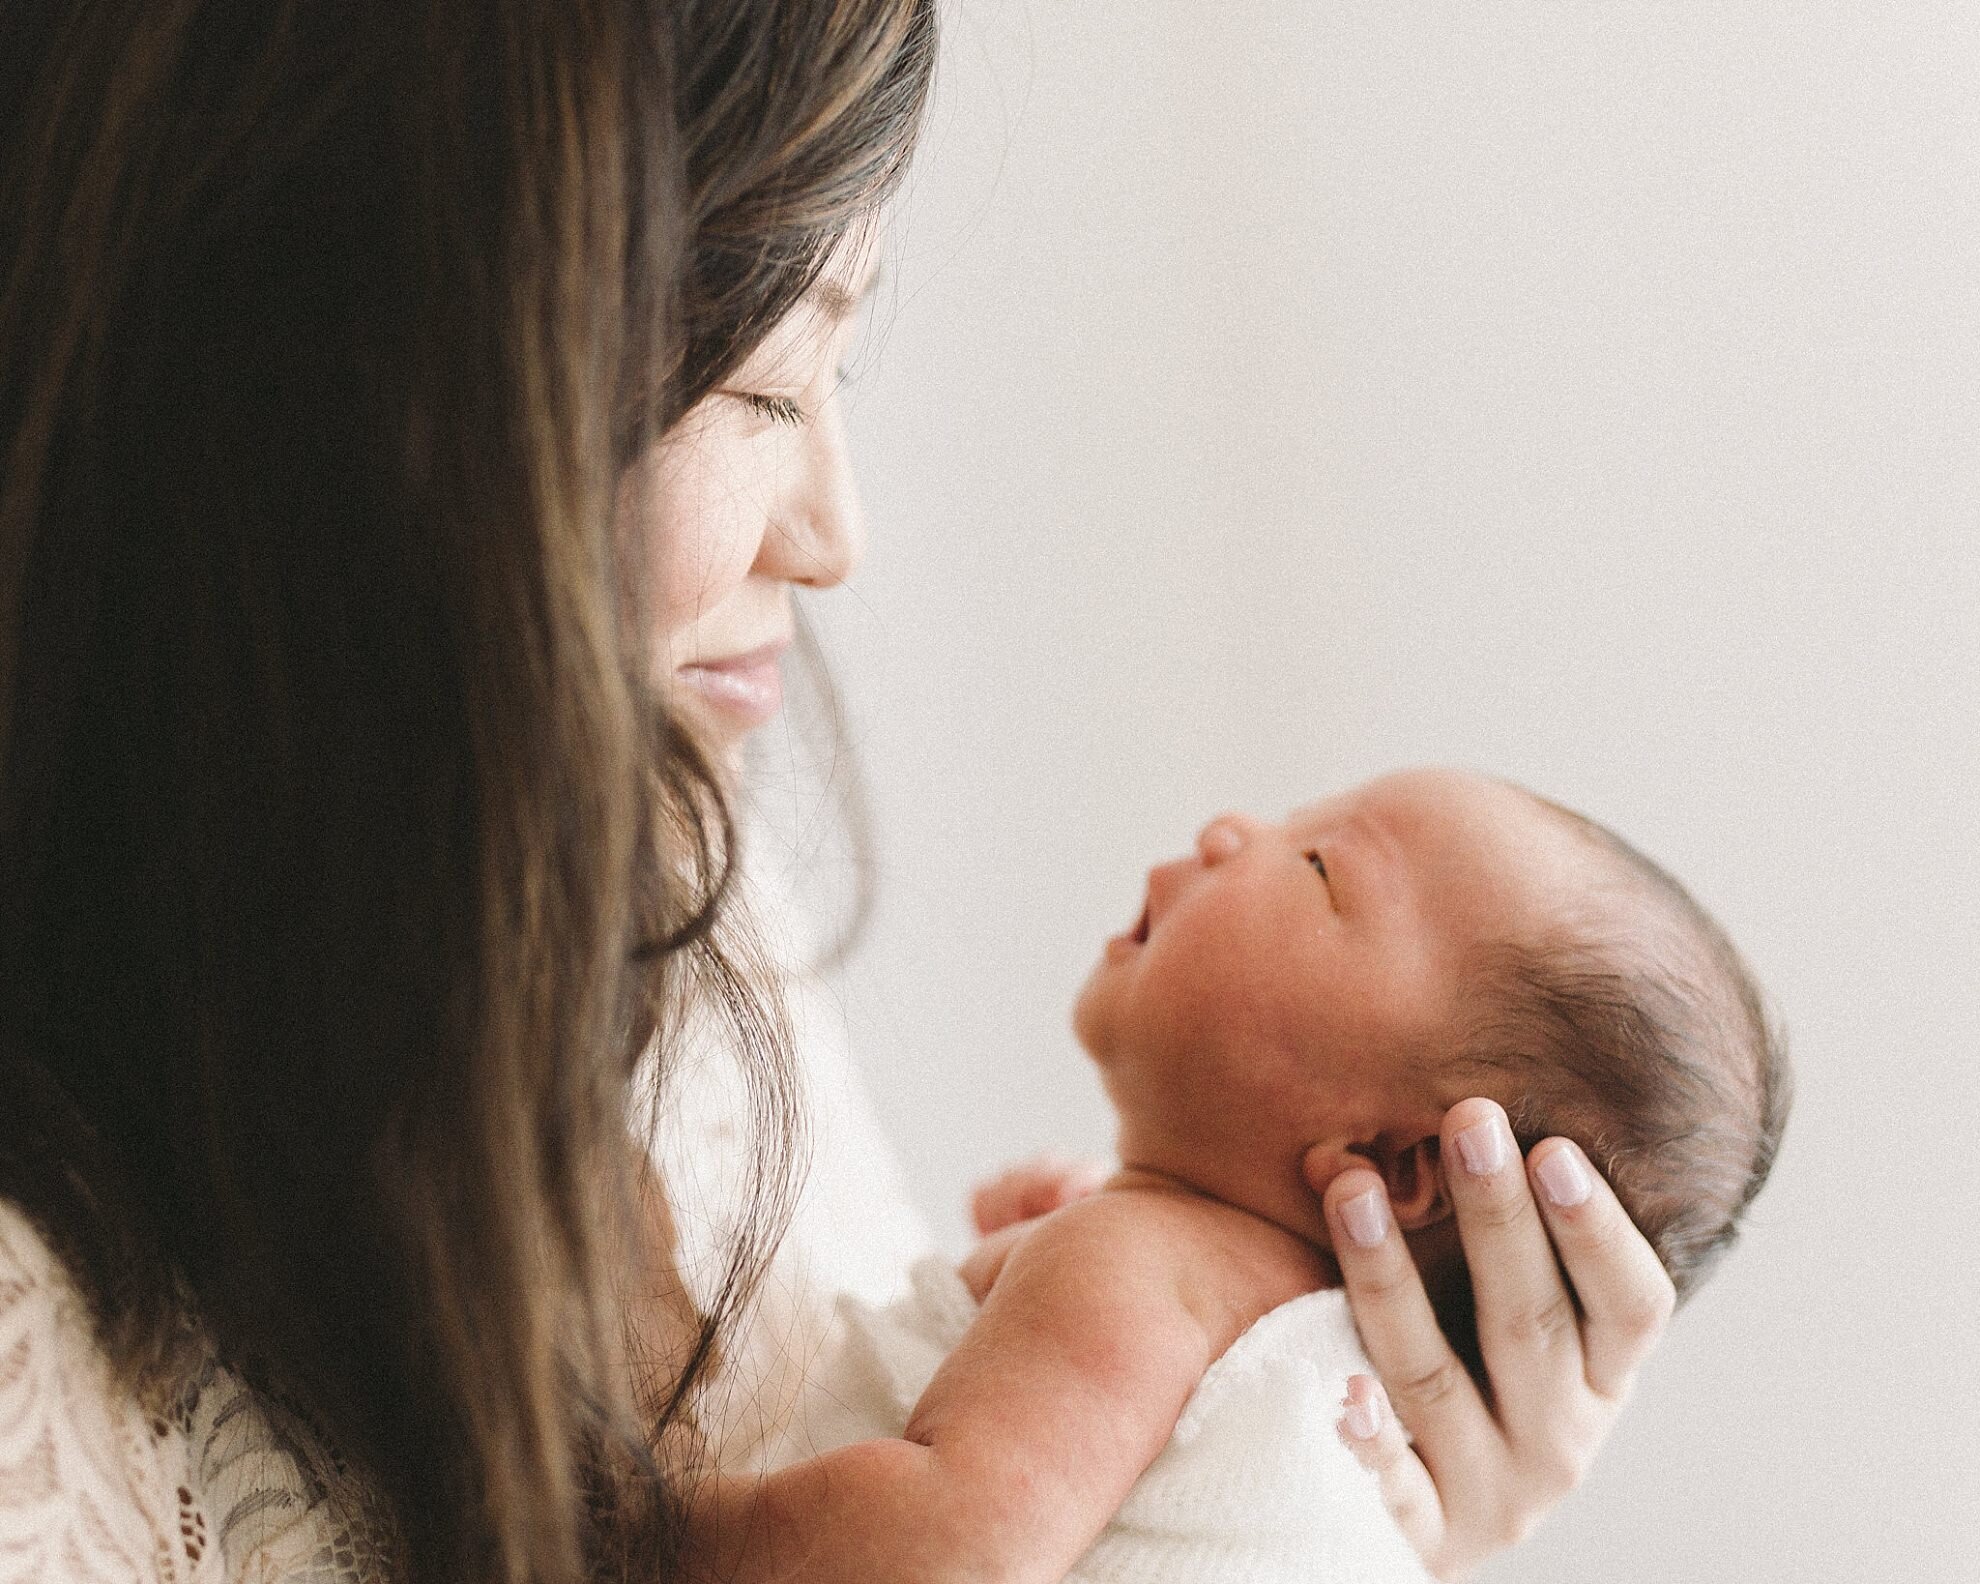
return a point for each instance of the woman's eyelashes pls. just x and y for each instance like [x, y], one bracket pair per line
[778, 409]
[1319, 865]
[783, 409]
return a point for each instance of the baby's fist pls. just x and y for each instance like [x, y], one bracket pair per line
[1035, 1188]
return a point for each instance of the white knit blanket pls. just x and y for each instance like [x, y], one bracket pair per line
[1254, 1486]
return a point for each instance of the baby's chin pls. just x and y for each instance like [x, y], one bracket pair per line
[1088, 1012]
[1104, 999]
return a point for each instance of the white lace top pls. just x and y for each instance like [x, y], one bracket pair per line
[225, 1486]
[228, 1485]
[222, 1484]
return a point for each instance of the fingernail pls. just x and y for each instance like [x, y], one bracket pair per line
[1366, 1217]
[1484, 1146]
[1364, 1418]
[1564, 1178]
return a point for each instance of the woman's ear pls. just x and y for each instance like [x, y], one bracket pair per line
[1412, 1170]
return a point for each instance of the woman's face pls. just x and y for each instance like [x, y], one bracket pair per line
[748, 496]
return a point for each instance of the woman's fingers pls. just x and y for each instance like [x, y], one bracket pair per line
[1561, 1351]
[1369, 1429]
[1431, 1393]
[1528, 1330]
[1626, 1295]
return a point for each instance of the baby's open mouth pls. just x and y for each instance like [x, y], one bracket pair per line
[1139, 934]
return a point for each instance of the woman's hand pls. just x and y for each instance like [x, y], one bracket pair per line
[1561, 1362]
[1035, 1188]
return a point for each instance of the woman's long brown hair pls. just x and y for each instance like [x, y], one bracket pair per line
[348, 861]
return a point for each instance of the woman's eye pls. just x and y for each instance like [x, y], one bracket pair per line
[778, 409]
[1313, 857]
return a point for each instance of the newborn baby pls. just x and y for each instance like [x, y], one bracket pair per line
[1294, 1000]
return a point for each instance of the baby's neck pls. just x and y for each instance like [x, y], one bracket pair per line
[1255, 1224]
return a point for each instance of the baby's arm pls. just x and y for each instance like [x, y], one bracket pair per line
[1026, 1441]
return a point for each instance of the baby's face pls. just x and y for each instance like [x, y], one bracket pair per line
[1306, 976]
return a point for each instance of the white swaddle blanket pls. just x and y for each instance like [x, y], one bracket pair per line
[1254, 1487]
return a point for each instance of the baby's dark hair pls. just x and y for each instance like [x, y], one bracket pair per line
[1639, 1033]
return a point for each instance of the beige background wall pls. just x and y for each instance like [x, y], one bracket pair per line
[1271, 392]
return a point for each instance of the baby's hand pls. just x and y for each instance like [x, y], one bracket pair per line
[1368, 1426]
[1035, 1188]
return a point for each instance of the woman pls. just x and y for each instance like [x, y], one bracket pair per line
[375, 394]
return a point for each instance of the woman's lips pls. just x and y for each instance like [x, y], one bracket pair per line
[746, 688]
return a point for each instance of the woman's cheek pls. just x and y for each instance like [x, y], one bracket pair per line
[703, 537]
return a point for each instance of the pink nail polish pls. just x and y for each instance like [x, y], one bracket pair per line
[1364, 1418]
[1483, 1147]
[1563, 1177]
[1366, 1217]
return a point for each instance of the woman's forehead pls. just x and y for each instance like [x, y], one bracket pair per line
[813, 327]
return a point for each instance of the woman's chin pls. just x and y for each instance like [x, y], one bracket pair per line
[720, 735]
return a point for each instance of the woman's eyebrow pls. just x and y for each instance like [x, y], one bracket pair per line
[835, 302]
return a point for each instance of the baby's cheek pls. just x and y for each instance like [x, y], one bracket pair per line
[1239, 997]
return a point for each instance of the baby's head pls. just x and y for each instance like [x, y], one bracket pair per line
[1322, 990]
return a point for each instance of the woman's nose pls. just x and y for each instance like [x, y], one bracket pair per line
[1224, 837]
[818, 533]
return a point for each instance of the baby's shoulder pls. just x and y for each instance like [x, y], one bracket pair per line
[1101, 1227]
[1184, 1225]
[1226, 1266]
[1127, 1225]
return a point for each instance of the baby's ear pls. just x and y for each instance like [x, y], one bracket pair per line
[1412, 1170]
[1414, 1175]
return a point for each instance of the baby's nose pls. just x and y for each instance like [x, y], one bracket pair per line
[1223, 838]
